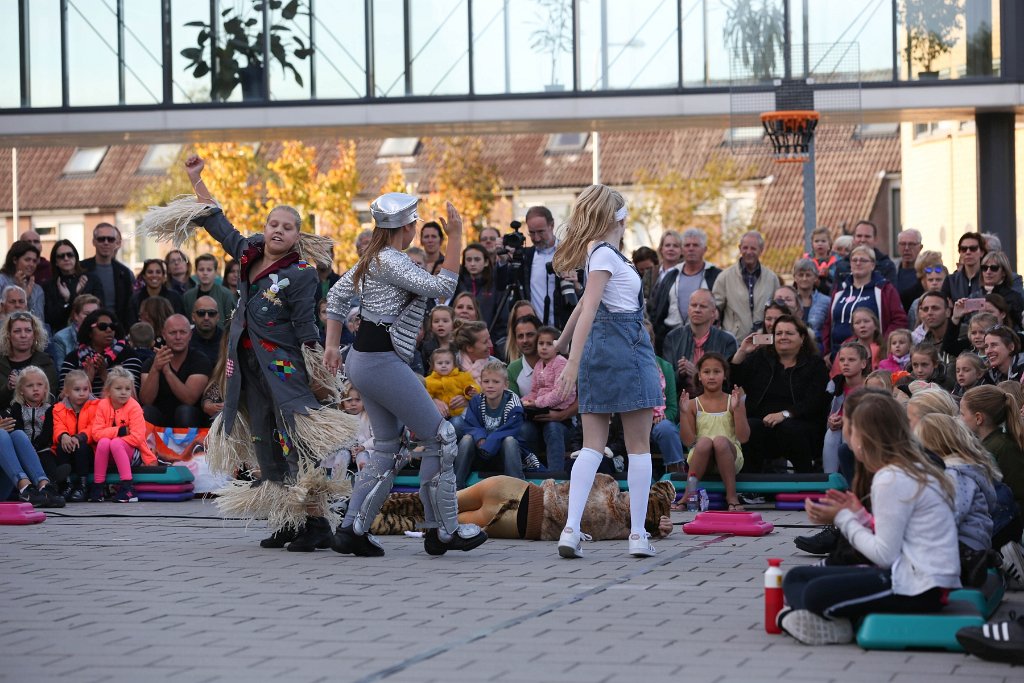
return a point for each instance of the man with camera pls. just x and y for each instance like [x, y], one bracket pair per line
[554, 297]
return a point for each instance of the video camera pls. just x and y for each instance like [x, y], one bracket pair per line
[513, 243]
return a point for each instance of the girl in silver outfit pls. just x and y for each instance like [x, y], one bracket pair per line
[392, 300]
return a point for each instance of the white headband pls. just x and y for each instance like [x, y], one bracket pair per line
[621, 214]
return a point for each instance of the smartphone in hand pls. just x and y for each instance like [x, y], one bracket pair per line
[763, 339]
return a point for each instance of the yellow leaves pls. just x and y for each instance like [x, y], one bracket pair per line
[248, 186]
[395, 182]
[677, 201]
[463, 177]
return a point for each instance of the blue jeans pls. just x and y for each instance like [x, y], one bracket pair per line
[469, 454]
[554, 436]
[18, 460]
[666, 435]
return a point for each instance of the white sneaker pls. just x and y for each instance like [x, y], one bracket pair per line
[639, 546]
[1013, 566]
[812, 629]
[570, 543]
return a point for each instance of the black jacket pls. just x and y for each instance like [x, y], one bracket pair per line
[562, 307]
[124, 286]
[808, 383]
[657, 302]
[57, 310]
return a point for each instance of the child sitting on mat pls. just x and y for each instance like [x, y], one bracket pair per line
[119, 432]
[714, 424]
[72, 419]
[911, 541]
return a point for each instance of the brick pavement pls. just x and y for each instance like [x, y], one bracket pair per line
[168, 592]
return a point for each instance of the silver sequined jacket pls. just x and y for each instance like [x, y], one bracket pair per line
[390, 284]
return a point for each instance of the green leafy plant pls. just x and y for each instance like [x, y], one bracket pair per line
[238, 57]
[755, 32]
[554, 33]
[932, 27]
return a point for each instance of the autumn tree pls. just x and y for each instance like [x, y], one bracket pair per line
[671, 199]
[462, 176]
[395, 180]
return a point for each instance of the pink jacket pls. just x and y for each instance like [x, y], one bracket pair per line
[544, 393]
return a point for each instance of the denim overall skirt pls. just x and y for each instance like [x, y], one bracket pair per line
[618, 372]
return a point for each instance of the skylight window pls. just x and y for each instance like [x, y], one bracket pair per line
[566, 143]
[159, 158]
[85, 160]
[398, 147]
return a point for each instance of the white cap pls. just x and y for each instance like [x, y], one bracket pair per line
[394, 210]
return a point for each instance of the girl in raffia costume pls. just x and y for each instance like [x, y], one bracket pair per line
[272, 416]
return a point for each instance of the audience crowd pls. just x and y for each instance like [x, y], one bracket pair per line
[787, 355]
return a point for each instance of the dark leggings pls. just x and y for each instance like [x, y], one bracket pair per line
[852, 592]
[798, 441]
[80, 459]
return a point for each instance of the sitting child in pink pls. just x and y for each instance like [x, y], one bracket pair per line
[545, 392]
[119, 432]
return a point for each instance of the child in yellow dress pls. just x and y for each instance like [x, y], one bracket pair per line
[446, 382]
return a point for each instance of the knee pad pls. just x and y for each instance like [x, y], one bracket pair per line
[440, 491]
[379, 476]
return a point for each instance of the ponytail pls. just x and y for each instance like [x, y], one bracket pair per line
[379, 239]
[998, 406]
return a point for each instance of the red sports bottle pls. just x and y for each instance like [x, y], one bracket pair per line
[773, 599]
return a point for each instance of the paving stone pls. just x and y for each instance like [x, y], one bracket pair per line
[195, 600]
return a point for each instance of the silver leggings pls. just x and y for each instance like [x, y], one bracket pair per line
[394, 398]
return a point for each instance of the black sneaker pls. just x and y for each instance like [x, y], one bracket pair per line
[126, 493]
[53, 499]
[997, 642]
[30, 494]
[348, 542]
[468, 536]
[76, 494]
[96, 493]
[315, 533]
[821, 543]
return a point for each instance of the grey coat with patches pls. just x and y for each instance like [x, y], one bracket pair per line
[286, 326]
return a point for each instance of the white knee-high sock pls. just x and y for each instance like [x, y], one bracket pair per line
[639, 479]
[581, 480]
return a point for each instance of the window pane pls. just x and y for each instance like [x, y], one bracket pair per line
[628, 45]
[187, 86]
[44, 18]
[143, 74]
[293, 34]
[388, 50]
[340, 49]
[522, 46]
[10, 58]
[92, 53]
[440, 47]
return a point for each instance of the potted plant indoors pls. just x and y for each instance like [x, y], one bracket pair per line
[932, 27]
[755, 33]
[238, 55]
[553, 35]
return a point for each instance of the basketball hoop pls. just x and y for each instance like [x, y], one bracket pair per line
[790, 133]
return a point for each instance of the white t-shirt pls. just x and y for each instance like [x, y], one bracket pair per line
[622, 293]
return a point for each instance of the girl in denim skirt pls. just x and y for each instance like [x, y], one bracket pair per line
[612, 357]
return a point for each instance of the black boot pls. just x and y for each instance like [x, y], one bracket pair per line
[315, 533]
[433, 544]
[76, 490]
[348, 542]
[279, 538]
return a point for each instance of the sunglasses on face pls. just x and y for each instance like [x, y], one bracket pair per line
[934, 269]
[206, 312]
[66, 254]
[109, 240]
[103, 327]
[969, 248]
[991, 268]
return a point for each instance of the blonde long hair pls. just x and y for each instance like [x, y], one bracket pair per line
[593, 215]
[948, 437]
[886, 439]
